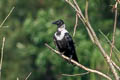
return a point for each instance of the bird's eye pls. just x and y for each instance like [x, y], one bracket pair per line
[58, 22]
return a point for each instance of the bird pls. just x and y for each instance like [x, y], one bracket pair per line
[64, 41]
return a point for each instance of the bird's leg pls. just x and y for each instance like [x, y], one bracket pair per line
[62, 53]
[70, 58]
[69, 61]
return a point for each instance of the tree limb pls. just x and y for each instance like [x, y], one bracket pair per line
[76, 23]
[114, 47]
[1, 60]
[96, 41]
[87, 19]
[75, 74]
[7, 17]
[78, 64]
[114, 30]
[28, 76]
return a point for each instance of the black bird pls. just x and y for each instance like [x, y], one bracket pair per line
[64, 41]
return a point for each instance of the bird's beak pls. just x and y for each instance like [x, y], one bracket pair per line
[54, 22]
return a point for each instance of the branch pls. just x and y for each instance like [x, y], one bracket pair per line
[117, 56]
[75, 74]
[107, 39]
[87, 19]
[76, 23]
[114, 30]
[93, 35]
[28, 76]
[116, 66]
[78, 64]
[109, 42]
[17, 78]
[7, 17]
[86, 10]
[3, 40]
[3, 43]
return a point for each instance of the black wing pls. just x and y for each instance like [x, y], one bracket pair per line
[58, 44]
[66, 46]
[70, 48]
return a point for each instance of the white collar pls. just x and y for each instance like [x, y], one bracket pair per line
[61, 36]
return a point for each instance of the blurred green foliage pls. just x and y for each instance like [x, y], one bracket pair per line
[29, 27]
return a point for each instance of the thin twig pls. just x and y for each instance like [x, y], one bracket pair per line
[87, 19]
[3, 40]
[117, 56]
[28, 76]
[76, 23]
[114, 30]
[96, 40]
[73, 75]
[7, 17]
[3, 43]
[78, 64]
[17, 78]
[86, 10]
[116, 66]
[109, 42]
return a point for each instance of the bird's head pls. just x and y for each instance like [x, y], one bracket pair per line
[59, 23]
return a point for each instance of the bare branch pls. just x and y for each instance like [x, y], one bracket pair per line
[86, 10]
[76, 23]
[116, 66]
[3, 43]
[117, 56]
[96, 41]
[114, 30]
[17, 78]
[3, 40]
[78, 64]
[87, 19]
[69, 75]
[109, 42]
[28, 76]
[7, 17]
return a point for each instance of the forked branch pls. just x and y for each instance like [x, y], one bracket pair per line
[114, 30]
[93, 36]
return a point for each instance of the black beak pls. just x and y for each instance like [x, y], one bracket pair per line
[54, 22]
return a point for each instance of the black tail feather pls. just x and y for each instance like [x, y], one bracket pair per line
[75, 58]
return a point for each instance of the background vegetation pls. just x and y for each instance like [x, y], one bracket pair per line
[29, 27]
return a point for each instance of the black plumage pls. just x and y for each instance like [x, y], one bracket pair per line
[65, 45]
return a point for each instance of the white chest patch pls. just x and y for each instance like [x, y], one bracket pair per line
[61, 36]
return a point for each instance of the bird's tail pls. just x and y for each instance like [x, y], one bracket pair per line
[75, 58]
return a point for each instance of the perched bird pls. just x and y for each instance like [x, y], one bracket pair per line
[64, 41]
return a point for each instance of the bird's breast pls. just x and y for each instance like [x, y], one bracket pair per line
[61, 35]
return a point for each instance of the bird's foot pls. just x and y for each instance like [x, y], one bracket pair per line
[70, 58]
[69, 61]
[62, 53]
